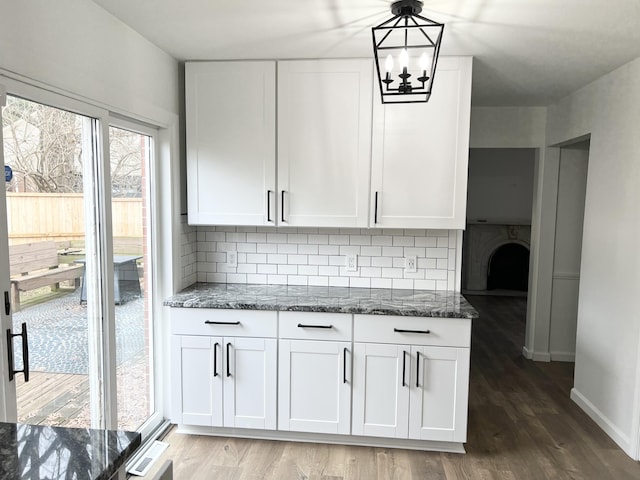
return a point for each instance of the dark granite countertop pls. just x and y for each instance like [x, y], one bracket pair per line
[371, 301]
[57, 453]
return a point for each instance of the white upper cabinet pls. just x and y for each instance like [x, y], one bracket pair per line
[231, 142]
[324, 142]
[420, 154]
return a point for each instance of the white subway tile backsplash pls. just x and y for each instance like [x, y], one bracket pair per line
[319, 281]
[267, 248]
[317, 256]
[339, 239]
[329, 271]
[287, 248]
[329, 249]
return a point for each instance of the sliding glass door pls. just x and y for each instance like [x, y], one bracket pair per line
[76, 258]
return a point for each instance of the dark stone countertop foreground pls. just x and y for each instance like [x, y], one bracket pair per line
[60, 453]
[370, 301]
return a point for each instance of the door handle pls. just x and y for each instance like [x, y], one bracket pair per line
[215, 359]
[25, 353]
[375, 209]
[228, 356]
[7, 304]
[302, 325]
[404, 367]
[402, 330]
[344, 366]
[282, 207]
[212, 322]
[269, 206]
[418, 370]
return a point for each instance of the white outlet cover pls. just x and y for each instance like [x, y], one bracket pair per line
[352, 263]
[410, 264]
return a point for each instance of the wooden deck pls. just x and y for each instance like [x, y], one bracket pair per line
[62, 399]
[56, 399]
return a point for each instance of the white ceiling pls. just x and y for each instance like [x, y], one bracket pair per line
[527, 52]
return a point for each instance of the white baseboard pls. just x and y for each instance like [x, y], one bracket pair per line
[427, 445]
[602, 421]
[536, 356]
[563, 356]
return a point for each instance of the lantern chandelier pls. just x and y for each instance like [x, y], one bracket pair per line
[407, 47]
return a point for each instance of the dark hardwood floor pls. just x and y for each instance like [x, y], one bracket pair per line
[522, 426]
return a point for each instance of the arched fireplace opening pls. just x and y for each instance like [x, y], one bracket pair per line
[509, 268]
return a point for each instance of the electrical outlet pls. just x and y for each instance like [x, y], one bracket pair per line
[232, 259]
[352, 263]
[410, 264]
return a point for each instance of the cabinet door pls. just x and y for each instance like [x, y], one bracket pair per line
[381, 385]
[324, 142]
[196, 380]
[231, 135]
[250, 373]
[439, 394]
[421, 153]
[314, 386]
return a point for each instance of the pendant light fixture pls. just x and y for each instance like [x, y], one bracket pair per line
[406, 49]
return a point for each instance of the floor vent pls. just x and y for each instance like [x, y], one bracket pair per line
[146, 461]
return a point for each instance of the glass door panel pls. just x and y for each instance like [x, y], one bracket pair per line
[129, 153]
[52, 231]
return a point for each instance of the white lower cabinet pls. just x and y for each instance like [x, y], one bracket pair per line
[223, 381]
[418, 392]
[315, 373]
[315, 393]
[393, 377]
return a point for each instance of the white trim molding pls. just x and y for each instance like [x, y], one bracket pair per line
[535, 356]
[563, 356]
[602, 421]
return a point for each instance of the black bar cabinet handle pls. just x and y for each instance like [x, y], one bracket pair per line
[282, 206]
[211, 322]
[402, 330]
[404, 367]
[375, 209]
[7, 304]
[228, 356]
[215, 359]
[344, 366]
[302, 325]
[269, 206]
[418, 370]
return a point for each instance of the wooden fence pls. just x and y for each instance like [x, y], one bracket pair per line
[34, 217]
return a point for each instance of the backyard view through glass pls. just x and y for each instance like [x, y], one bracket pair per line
[53, 230]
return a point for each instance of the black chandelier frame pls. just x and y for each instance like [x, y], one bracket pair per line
[406, 17]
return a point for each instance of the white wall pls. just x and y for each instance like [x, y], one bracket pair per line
[77, 47]
[500, 187]
[607, 380]
[507, 127]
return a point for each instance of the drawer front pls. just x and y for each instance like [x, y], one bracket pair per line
[225, 323]
[446, 332]
[315, 326]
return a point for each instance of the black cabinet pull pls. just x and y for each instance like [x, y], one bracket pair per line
[25, 353]
[7, 304]
[375, 209]
[215, 359]
[302, 325]
[282, 206]
[269, 206]
[418, 370]
[344, 366]
[402, 330]
[404, 367]
[228, 356]
[211, 322]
